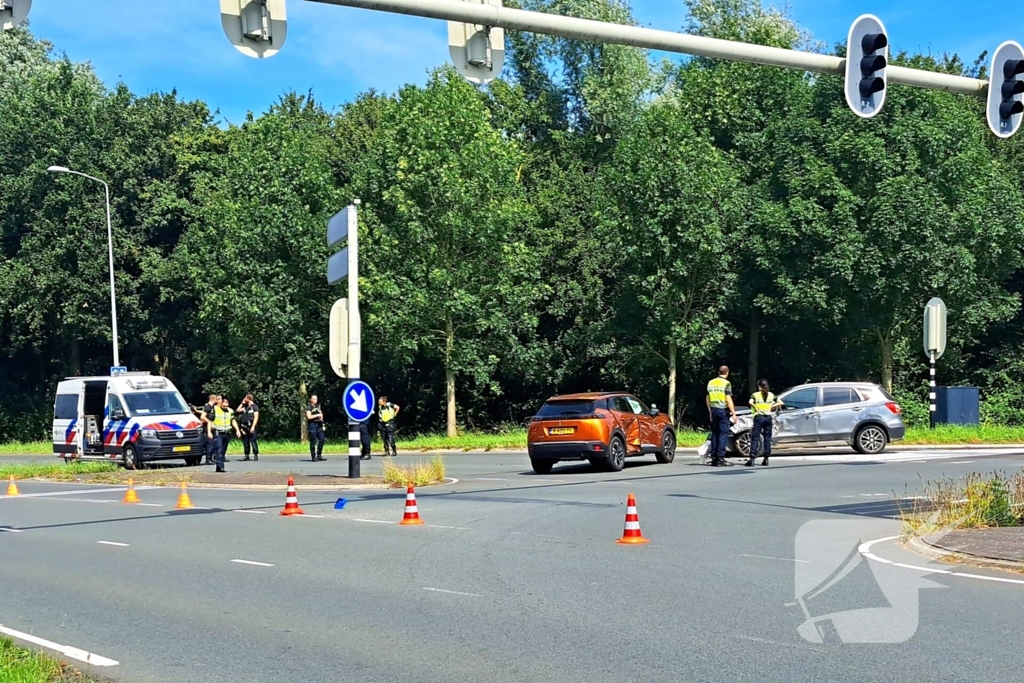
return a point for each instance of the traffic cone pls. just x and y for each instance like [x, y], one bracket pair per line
[130, 496]
[12, 488]
[631, 534]
[291, 500]
[412, 514]
[184, 503]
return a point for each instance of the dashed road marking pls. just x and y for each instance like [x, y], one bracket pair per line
[961, 462]
[373, 521]
[784, 559]
[310, 516]
[251, 512]
[9, 529]
[77, 492]
[151, 505]
[443, 590]
[113, 543]
[253, 563]
[67, 651]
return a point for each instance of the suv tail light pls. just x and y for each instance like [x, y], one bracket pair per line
[894, 408]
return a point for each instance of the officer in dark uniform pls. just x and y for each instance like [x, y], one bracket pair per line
[206, 415]
[248, 418]
[315, 423]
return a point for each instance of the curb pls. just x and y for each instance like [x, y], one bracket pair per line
[925, 548]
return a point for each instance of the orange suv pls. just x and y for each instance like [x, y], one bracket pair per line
[604, 428]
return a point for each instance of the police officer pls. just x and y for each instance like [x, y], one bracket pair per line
[722, 412]
[762, 402]
[248, 418]
[219, 431]
[364, 440]
[206, 418]
[315, 423]
[386, 414]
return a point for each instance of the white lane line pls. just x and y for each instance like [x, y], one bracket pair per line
[114, 543]
[373, 521]
[988, 578]
[7, 528]
[784, 559]
[961, 462]
[865, 548]
[442, 590]
[252, 512]
[194, 507]
[151, 505]
[67, 651]
[255, 564]
[87, 500]
[80, 492]
[923, 569]
[310, 516]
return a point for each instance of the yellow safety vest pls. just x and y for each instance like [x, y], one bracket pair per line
[222, 419]
[716, 392]
[387, 413]
[762, 405]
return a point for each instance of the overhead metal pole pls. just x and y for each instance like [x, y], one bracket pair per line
[653, 39]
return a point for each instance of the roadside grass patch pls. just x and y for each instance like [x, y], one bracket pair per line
[57, 471]
[976, 501]
[420, 473]
[951, 435]
[18, 665]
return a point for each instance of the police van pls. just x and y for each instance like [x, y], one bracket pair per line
[132, 417]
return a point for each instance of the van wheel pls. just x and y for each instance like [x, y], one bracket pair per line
[870, 440]
[542, 466]
[616, 455]
[668, 448]
[193, 461]
[131, 458]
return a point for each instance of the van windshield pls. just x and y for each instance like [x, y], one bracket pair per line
[155, 403]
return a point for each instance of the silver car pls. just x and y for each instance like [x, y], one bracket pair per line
[859, 414]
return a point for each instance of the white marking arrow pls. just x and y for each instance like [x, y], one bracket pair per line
[359, 404]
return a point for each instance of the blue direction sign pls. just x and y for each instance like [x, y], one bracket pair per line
[359, 401]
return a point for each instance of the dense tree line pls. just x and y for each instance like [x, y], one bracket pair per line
[594, 219]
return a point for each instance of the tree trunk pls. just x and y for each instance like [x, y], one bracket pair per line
[885, 342]
[672, 381]
[752, 353]
[449, 379]
[303, 399]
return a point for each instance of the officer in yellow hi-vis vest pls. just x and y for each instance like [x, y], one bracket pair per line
[762, 402]
[219, 429]
[386, 414]
[722, 412]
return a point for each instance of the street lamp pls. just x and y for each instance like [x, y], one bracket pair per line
[110, 252]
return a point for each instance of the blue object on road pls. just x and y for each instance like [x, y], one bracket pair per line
[340, 505]
[358, 400]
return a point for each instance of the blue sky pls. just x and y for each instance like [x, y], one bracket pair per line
[338, 51]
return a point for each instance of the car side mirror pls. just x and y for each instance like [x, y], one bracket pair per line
[116, 415]
[654, 410]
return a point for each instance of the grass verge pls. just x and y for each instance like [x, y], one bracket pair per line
[57, 471]
[973, 502]
[416, 474]
[951, 435]
[18, 665]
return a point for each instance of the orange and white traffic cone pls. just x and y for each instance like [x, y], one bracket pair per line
[184, 502]
[291, 500]
[631, 534]
[412, 513]
[130, 496]
[12, 488]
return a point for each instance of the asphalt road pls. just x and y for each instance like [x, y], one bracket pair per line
[514, 577]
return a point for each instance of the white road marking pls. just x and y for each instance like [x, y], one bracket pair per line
[151, 505]
[775, 642]
[114, 543]
[49, 494]
[442, 590]
[255, 564]
[866, 547]
[252, 512]
[67, 651]
[310, 516]
[961, 462]
[87, 500]
[7, 528]
[784, 559]
[373, 521]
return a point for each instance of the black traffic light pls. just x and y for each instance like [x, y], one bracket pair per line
[1006, 90]
[867, 56]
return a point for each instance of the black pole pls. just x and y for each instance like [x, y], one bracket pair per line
[931, 390]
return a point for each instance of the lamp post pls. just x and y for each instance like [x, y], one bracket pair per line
[110, 253]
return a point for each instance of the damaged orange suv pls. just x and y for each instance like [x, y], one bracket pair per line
[604, 428]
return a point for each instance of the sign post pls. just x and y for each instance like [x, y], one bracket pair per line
[344, 227]
[934, 346]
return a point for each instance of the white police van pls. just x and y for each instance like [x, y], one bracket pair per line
[133, 417]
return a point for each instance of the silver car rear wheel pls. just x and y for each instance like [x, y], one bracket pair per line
[871, 440]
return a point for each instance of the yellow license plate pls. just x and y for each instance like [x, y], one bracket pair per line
[182, 449]
[556, 431]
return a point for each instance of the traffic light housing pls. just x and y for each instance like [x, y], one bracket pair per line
[13, 12]
[1006, 90]
[257, 28]
[867, 56]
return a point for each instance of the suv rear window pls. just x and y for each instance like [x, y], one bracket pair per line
[837, 396]
[566, 408]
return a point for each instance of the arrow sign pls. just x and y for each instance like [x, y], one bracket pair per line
[359, 401]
